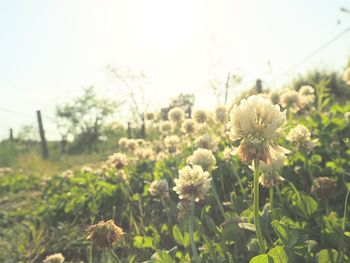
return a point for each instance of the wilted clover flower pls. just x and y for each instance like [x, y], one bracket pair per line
[176, 115]
[159, 188]
[323, 187]
[256, 123]
[302, 136]
[123, 142]
[206, 141]
[54, 258]
[200, 116]
[221, 114]
[105, 234]
[165, 127]
[290, 99]
[117, 160]
[150, 116]
[132, 145]
[172, 143]
[346, 76]
[188, 126]
[192, 181]
[270, 173]
[203, 158]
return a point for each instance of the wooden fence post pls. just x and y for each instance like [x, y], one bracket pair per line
[44, 150]
[11, 135]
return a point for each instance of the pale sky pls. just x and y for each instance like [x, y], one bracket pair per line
[50, 49]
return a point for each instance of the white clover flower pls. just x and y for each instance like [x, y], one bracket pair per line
[172, 143]
[290, 99]
[256, 123]
[86, 169]
[145, 153]
[302, 136]
[165, 127]
[132, 145]
[150, 116]
[123, 142]
[192, 181]
[188, 126]
[176, 115]
[200, 116]
[306, 96]
[67, 174]
[346, 76]
[54, 258]
[203, 158]
[221, 114]
[206, 141]
[117, 160]
[159, 188]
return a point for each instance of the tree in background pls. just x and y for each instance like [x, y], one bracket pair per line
[84, 117]
[132, 82]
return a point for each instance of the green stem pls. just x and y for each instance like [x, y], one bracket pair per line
[240, 184]
[217, 199]
[341, 241]
[271, 197]
[256, 207]
[166, 209]
[114, 255]
[193, 245]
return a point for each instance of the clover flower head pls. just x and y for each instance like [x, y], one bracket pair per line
[54, 258]
[192, 181]
[123, 142]
[176, 115]
[221, 114]
[132, 145]
[150, 116]
[117, 160]
[256, 123]
[302, 136]
[200, 116]
[323, 187]
[165, 127]
[159, 188]
[203, 158]
[105, 233]
[188, 126]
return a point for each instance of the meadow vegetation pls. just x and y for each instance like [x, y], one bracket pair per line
[263, 179]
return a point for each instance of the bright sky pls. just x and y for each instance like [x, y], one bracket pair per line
[50, 49]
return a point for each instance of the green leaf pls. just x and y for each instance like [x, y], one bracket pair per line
[327, 256]
[179, 238]
[287, 234]
[264, 258]
[280, 255]
[304, 205]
